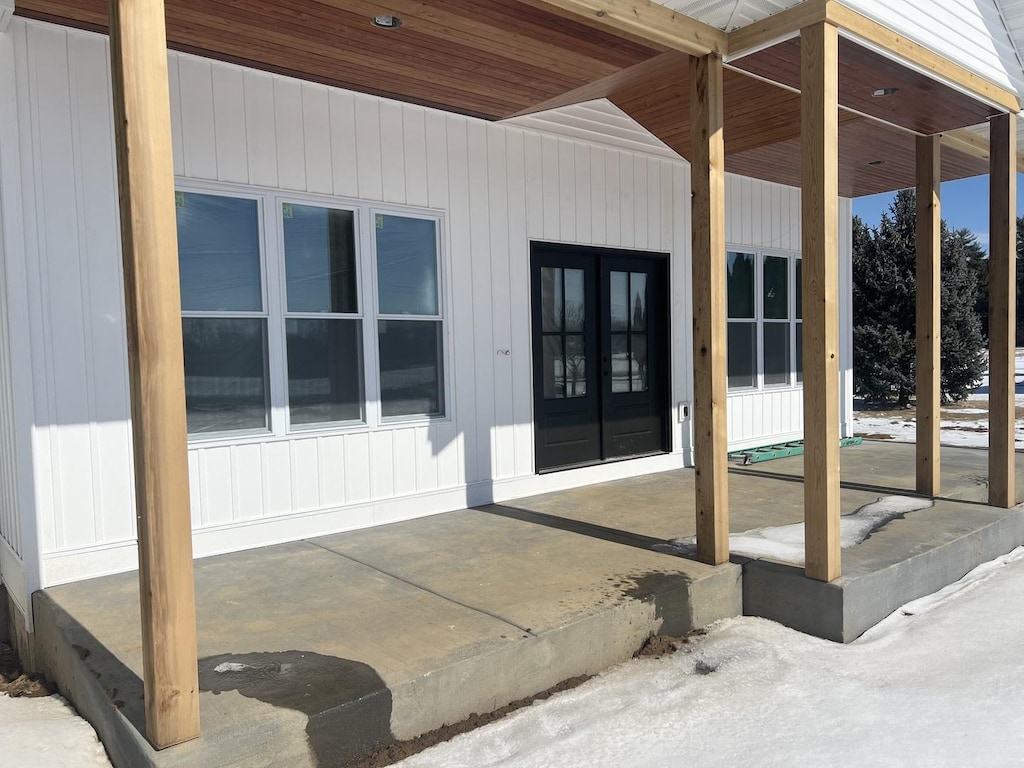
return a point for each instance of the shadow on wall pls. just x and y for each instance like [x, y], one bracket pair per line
[347, 703]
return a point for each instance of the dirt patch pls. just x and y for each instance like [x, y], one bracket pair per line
[14, 682]
[400, 750]
[873, 436]
[658, 646]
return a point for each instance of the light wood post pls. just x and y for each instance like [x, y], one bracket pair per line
[153, 305]
[1002, 309]
[707, 168]
[929, 270]
[819, 111]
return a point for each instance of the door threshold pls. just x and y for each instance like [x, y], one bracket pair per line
[600, 462]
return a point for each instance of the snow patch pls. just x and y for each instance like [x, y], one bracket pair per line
[47, 733]
[231, 666]
[785, 543]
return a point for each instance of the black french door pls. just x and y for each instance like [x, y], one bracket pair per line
[600, 355]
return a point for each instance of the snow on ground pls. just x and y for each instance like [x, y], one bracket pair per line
[938, 683]
[46, 733]
[785, 543]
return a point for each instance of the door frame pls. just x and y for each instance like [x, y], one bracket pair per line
[594, 257]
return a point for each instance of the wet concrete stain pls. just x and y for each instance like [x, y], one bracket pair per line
[347, 702]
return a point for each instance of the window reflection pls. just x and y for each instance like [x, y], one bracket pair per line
[324, 371]
[218, 253]
[225, 382]
[320, 259]
[406, 265]
[411, 369]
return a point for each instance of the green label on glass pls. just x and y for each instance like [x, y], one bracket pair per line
[380, 221]
[179, 199]
[286, 210]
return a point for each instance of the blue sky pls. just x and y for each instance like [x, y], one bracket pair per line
[964, 204]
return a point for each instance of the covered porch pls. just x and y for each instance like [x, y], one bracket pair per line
[790, 99]
[318, 652]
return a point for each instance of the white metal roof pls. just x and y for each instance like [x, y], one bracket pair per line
[983, 36]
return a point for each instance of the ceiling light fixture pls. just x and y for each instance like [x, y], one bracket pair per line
[385, 21]
[883, 92]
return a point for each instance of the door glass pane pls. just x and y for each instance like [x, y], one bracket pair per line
[225, 374]
[575, 301]
[619, 298]
[776, 288]
[320, 259]
[575, 366]
[776, 354]
[411, 370]
[799, 352]
[218, 253]
[639, 365]
[742, 364]
[551, 298]
[406, 265]
[620, 362]
[740, 285]
[554, 368]
[325, 371]
[638, 301]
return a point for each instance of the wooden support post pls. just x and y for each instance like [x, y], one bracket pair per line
[707, 168]
[819, 59]
[156, 370]
[929, 270]
[1002, 308]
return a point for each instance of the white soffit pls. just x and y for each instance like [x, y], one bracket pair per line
[729, 14]
[596, 122]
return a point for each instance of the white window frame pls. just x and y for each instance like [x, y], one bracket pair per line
[275, 292]
[760, 254]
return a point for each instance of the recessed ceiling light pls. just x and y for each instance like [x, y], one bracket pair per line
[882, 92]
[387, 22]
[875, 162]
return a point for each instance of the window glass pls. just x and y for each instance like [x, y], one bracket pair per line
[638, 301]
[225, 380]
[554, 368]
[619, 290]
[575, 303]
[320, 259]
[639, 363]
[218, 253]
[551, 298]
[800, 352]
[799, 292]
[742, 354]
[406, 265]
[740, 285]
[776, 287]
[325, 372]
[776, 354]
[575, 366]
[411, 369]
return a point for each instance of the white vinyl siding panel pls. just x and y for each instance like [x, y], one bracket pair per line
[497, 188]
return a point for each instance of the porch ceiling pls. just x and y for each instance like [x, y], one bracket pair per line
[499, 58]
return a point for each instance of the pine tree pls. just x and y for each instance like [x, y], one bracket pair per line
[884, 323]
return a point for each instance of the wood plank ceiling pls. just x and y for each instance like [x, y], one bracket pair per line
[498, 58]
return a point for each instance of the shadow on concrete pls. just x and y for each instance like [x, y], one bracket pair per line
[614, 535]
[347, 703]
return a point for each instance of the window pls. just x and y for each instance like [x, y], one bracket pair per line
[764, 340]
[306, 314]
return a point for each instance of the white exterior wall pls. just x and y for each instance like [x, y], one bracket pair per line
[498, 186]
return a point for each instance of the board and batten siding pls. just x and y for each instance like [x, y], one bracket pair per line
[497, 186]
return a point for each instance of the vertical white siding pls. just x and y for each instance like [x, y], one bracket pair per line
[498, 186]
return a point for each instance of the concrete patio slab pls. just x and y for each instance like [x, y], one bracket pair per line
[313, 652]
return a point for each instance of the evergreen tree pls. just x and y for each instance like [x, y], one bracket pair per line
[884, 301]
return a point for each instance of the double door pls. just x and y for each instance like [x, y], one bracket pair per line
[600, 354]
